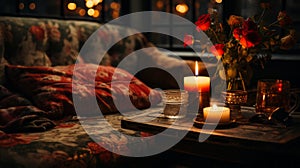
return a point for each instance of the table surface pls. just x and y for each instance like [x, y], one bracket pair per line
[244, 138]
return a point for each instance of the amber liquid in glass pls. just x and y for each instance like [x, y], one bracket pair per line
[267, 102]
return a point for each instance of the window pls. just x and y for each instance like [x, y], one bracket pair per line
[192, 9]
[101, 10]
[98, 10]
[189, 9]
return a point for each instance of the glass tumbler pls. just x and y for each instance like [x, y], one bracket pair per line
[175, 103]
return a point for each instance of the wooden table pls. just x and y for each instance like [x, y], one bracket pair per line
[245, 143]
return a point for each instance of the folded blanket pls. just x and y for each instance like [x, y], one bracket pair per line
[50, 91]
[18, 115]
[50, 88]
[24, 119]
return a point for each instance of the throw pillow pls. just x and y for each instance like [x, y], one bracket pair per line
[50, 88]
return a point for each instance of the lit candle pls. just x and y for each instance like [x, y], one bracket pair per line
[197, 83]
[215, 113]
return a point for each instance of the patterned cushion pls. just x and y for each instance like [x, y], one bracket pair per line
[50, 88]
[45, 41]
[25, 41]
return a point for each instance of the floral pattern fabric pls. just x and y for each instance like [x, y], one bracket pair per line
[67, 145]
[52, 42]
[51, 88]
[17, 114]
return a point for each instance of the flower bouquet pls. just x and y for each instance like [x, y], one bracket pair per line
[242, 44]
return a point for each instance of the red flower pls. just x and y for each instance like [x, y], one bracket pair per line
[249, 25]
[217, 50]
[188, 40]
[203, 22]
[248, 35]
[38, 32]
[237, 33]
[250, 39]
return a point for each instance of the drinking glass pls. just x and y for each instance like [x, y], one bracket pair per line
[273, 94]
[175, 103]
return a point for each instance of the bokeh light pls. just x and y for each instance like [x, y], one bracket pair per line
[182, 8]
[72, 6]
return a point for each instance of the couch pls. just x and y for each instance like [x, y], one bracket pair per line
[38, 122]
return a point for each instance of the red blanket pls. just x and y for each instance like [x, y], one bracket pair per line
[50, 91]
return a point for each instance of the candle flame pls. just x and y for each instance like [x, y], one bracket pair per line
[196, 68]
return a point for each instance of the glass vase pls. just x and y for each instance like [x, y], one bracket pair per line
[236, 96]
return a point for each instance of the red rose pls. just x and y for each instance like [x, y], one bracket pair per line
[217, 50]
[249, 25]
[250, 39]
[38, 32]
[248, 35]
[188, 40]
[237, 33]
[203, 22]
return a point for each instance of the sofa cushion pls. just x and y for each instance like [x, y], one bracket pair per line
[48, 41]
[25, 41]
[50, 88]
[63, 42]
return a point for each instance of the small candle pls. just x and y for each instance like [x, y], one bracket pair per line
[215, 113]
[197, 83]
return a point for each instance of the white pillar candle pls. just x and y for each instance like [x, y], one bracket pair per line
[197, 83]
[215, 114]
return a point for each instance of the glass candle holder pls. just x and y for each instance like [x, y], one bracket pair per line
[175, 103]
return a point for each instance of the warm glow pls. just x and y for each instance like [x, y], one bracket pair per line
[96, 13]
[216, 114]
[279, 87]
[32, 6]
[159, 4]
[72, 6]
[89, 3]
[196, 83]
[21, 6]
[197, 5]
[196, 68]
[182, 8]
[115, 14]
[91, 12]
[81, 12]
[214, 107]
[115, 5]
[96, 2]
[219, 1]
